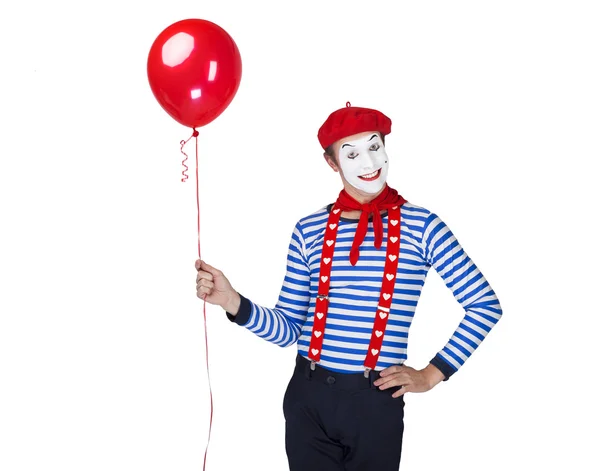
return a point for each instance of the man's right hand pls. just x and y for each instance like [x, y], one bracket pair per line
[214, 288]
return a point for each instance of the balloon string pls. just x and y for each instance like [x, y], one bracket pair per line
[183, 143]
[195, 135]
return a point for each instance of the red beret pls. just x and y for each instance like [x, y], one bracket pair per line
[352, 120]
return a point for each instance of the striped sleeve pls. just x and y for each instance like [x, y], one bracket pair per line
[442, 250]
[282, 324]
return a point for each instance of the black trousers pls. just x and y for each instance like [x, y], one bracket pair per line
[341, 421]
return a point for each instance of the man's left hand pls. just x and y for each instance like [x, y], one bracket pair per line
[410, 379]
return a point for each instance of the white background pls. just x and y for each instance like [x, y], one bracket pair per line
[495, 109]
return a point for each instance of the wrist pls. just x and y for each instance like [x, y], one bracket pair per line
[433, 375]
[232, 306]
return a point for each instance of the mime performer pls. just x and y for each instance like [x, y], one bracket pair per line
[355, 271]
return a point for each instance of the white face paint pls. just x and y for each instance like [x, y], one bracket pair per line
[364, 163]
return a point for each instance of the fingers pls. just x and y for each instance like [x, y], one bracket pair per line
[205, 271]
[204, 275]
[201, 264]
[209, 268]
[204, 288]
[392, 380]
[204, 283]
[202, 295]
[403, 389]
[203, 292]
[402, 382]
[205, 278]
[393, 369]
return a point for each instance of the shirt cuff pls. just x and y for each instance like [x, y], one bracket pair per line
[443, 366]
[243, 315]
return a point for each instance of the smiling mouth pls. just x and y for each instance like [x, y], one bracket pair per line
[369, 177]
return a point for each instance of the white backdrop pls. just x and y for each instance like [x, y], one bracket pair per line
[495, 128]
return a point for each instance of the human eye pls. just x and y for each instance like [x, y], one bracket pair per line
[352, 155]
[375, 147]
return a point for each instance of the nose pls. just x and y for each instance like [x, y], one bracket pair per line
[367, 160]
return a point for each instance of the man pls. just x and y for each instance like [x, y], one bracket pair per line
[355, 271]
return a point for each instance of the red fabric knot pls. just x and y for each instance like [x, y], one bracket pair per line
[388, 198]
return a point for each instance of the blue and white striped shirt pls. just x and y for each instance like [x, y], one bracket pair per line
[425, 241]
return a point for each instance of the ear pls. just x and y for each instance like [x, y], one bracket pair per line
[330, 162]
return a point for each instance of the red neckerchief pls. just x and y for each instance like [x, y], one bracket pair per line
[385, 200]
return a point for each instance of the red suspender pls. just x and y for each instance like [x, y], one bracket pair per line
[387, 288]
[322, 303]
[385, 296]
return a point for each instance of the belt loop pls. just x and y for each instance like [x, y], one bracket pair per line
[307, 371]
[372, 379]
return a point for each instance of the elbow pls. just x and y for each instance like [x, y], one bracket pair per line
[498, 311]
[292, 338]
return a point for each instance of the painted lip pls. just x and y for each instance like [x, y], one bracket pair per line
[370, 179]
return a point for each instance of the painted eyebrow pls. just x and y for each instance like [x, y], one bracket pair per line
[374, 135]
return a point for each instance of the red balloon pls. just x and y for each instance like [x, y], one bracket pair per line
[194, 70]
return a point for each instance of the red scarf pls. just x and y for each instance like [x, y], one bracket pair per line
[385, 200]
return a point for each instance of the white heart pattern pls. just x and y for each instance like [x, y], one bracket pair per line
[386, 296]
[374, 351]
[389, 276]
[327, 260]
[315, 351]
[394, 239]
[329, 243]
[379, 333]
[324, 278]
[317, 333]
[320, 315]
[332, 226]
[383, 315]
[335, 211]
[393, 257]
[394, 222]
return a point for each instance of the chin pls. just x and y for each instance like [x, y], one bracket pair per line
[370, 190]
